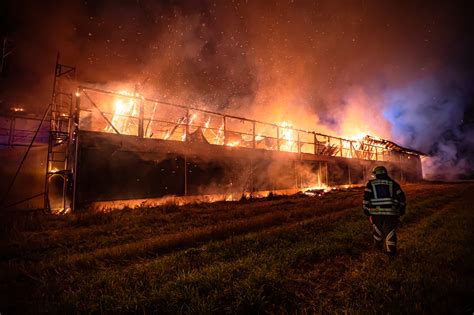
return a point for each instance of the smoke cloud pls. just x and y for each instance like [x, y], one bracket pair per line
[398, 70]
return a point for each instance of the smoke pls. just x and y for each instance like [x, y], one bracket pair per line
[428, 115]
[395, 70]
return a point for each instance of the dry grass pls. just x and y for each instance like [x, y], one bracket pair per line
[281, 254]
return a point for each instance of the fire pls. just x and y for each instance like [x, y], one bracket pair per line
[217, 129]
[219, 135]
[61, 211]
[287, 137]
[316, 190]
[17, 109]
[358, 137]
[233, 143]
[124, 113]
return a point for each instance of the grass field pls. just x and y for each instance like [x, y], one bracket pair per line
[292, 254]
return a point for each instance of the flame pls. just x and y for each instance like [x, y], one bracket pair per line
[358, 137]
[17, 109]
[233, 143]
[316, 190]
[61, 211]
[287, 137]
[281, 136]
[124, 111]
[219, 135]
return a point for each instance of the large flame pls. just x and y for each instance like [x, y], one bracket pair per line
[280, 136]
[287, 137]
[231, 131]
[124, 117]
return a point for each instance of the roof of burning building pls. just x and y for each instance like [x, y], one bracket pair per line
[391, 145]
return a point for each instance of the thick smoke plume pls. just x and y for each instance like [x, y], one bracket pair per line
[399, 70]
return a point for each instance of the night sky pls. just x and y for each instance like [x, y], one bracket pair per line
[402, 70]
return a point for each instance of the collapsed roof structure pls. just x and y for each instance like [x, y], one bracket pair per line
[106, 146]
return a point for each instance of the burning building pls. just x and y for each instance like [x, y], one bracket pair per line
[106, 146]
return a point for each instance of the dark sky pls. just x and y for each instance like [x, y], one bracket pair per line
[398, 69]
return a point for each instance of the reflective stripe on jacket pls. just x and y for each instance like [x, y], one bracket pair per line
[384, 196]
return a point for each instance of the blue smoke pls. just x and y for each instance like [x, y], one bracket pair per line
[427, 115]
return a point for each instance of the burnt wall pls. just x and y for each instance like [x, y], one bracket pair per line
[113, 167]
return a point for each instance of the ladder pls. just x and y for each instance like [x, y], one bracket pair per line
[59, 164]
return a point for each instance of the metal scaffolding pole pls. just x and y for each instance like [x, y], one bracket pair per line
[59, 144]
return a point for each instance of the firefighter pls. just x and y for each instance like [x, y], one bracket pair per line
[384, 203]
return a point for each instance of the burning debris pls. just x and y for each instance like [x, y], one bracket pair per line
[132, 114]
[315, 191]
[112, 146]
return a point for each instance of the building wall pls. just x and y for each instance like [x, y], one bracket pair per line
[113, 167]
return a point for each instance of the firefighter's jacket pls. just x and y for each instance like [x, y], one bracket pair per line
[384, 196]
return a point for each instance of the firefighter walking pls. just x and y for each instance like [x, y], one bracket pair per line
[384, 203]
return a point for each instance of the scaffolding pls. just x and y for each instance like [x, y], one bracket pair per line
[60, 161]
[18, 131]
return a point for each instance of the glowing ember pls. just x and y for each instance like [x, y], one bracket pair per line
[17, 109]
[60, 211]
[316, 190]
[233, 144]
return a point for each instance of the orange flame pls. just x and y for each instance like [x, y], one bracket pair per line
[122, 117]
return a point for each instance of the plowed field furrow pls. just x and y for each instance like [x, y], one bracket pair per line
[124, 254]
[77, 239]
[292, 254]
[105, 237]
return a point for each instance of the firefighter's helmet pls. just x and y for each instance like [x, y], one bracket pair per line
[379, 170]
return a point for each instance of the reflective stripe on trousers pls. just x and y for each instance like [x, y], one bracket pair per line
[384, 232]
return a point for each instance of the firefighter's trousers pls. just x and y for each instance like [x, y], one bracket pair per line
[385, 237]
